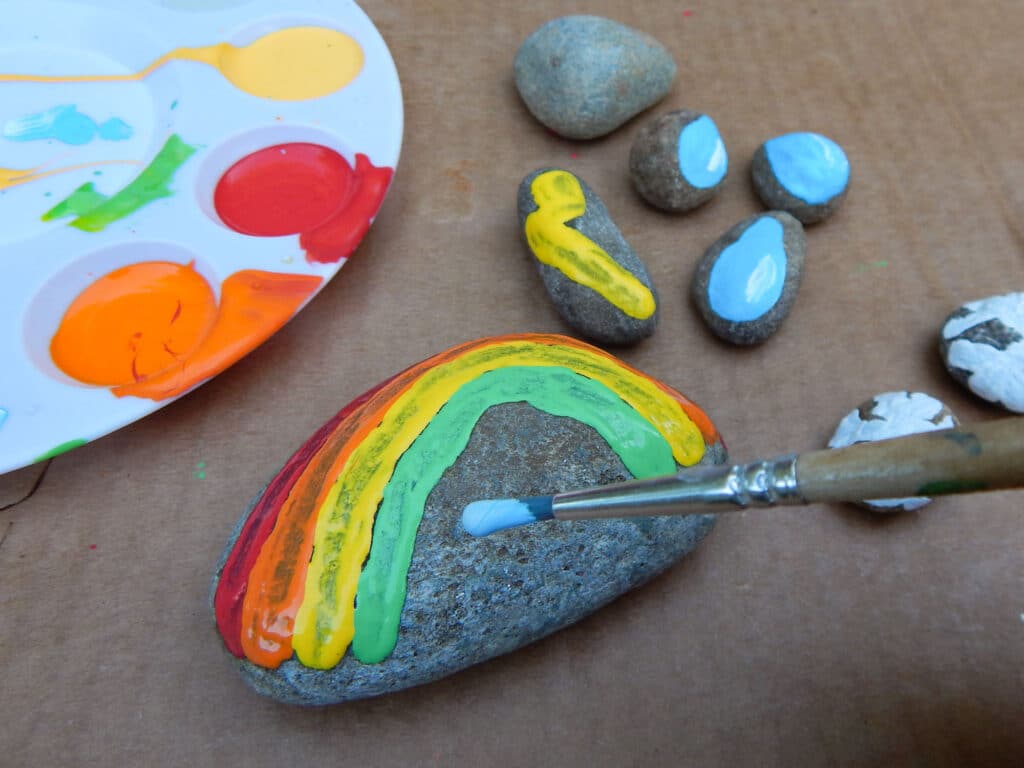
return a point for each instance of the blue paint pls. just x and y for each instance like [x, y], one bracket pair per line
[482, 518]
[748, 275]
[64, 123]
[3, 416]
[809, 166]
[703, 160]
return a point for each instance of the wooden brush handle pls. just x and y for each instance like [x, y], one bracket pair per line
[986, 456]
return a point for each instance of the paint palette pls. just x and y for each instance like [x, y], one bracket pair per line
[178, 178]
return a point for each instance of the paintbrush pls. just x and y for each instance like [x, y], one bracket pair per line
[988, 456]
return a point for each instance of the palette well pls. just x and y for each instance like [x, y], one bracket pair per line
[177, 180]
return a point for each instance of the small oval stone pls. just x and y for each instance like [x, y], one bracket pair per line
[893, 414]
[745, 284]
[355, 578]
[983, 347]
[584, 76]
[596, 281]
[805, 174]
[678, 160]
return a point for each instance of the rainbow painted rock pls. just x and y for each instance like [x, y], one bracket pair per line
[595, 279]
[745, 284]
[351, 576]
[804, 174]
[678, 160]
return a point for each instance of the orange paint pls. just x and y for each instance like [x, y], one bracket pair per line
[254, 304]
[12, 177]
[277, 580]
[134, 323]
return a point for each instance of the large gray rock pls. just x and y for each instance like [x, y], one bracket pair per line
[582, 305]
[584, 76]
[471, 599]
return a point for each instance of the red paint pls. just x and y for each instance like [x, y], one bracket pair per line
[285, 189]
[234, 577]
[337, 238]
[687, 13]
[92, 546]
[303, 189]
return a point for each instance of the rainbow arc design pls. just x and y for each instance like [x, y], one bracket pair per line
[320, 565]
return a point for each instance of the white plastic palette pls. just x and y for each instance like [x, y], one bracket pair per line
[177, 179]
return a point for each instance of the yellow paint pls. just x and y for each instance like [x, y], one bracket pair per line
[559, 198]
[324, 624]
[288, 64]
[12, 177]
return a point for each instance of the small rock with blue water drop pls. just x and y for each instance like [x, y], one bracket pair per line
[678, 160]
[745, 284]
[584, 76]
[805, 174]
[888, 415]
[983, 348]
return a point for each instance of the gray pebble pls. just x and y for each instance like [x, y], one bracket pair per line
[678, 160]
[745, 284]
[805, 174]
[471, 599]
[983, 347]
[893, 414]
[596, 281]
[584, 76]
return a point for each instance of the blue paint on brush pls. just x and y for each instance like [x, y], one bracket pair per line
[703, 160]
[64, 123]
[481, 518]
[809, 166]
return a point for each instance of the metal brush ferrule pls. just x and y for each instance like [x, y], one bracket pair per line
[698, 490]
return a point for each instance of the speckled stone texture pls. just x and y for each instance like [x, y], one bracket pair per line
[755, 331]
[888, 415]
[654, 164]
[472, 599]
[982, 346]
[777, 198]
[589, 313]
[584, 76]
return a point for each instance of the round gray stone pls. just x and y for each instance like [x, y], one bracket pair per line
[584, 76]
[654, 164]
[983, 348]
[470, 599]
[583, 308]
[734, 328]
[892, 414]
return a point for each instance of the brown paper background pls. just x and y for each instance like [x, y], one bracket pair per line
[816, 636]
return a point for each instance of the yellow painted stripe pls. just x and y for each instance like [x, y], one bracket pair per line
[324, 624]
[559, 198]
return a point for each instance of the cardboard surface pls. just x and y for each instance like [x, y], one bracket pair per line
[817, 636]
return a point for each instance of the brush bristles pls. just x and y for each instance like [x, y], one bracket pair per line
[481, 518]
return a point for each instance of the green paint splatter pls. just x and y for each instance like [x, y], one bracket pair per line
[943, 487]
[148, 186]
[62, 448]
[200, 471]
[873, 265]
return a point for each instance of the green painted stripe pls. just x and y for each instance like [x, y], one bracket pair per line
[555, 390]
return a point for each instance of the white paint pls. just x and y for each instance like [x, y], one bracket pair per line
[996, 375]
[894, 414]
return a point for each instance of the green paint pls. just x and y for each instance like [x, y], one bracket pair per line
[82, 200]
[943, 487]
[174, 104]
[62, 448]
[200, 473]
[95, 211]
[555, 390]
[873, 265]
